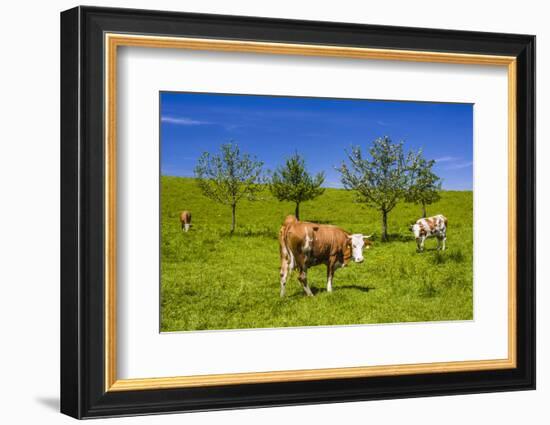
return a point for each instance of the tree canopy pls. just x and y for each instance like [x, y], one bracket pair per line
[229, 176]
[424, 185]
[292, 182]
[380, 179]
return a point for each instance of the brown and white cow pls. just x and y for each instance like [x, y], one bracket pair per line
[428, 227]
[303, 245]
[185, 219]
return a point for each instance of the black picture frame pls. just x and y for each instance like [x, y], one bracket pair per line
[82, 212]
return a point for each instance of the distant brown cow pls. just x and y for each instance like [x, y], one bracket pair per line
[303, 245]
[185, 219]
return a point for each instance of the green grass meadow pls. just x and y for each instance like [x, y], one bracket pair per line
[213, 280]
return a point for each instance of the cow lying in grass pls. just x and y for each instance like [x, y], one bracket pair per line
[303, 245]
[428, 227]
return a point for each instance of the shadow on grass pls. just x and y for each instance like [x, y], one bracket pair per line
[397, 237]
[239, 233]
[314, 220]
[356, 287]
[335, 288]
[427, 250]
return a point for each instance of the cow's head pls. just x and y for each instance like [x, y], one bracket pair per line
[358, 242]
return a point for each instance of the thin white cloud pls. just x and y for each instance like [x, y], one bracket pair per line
[184, 121]
[459, 165]
[447, 159]
[452, 163]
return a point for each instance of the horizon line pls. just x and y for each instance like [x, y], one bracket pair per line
[324, 187]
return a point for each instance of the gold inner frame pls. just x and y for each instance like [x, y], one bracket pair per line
[113, 41]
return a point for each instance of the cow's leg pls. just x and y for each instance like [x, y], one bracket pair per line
[420, 243]
[284, 274]
[438, 242]
[444, 241]
[422, 240]
[303, 280]
[286, 268]
[330, 275]
[301, 264]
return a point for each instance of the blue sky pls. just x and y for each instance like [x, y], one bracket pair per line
[320, 129]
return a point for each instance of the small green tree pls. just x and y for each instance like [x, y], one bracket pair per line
[229, 176]
[291, 182]
[380, 180]
[424, 184]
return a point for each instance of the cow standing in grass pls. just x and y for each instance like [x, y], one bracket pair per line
[303, 245]
[185, 219]
[428, 227]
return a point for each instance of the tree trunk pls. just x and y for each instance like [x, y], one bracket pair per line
[423, 210]
[384, 225]
[297, 211]
[233, 208]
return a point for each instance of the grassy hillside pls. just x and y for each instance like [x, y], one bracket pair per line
[212, 280]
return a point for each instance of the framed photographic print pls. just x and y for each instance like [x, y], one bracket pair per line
[261, 212]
